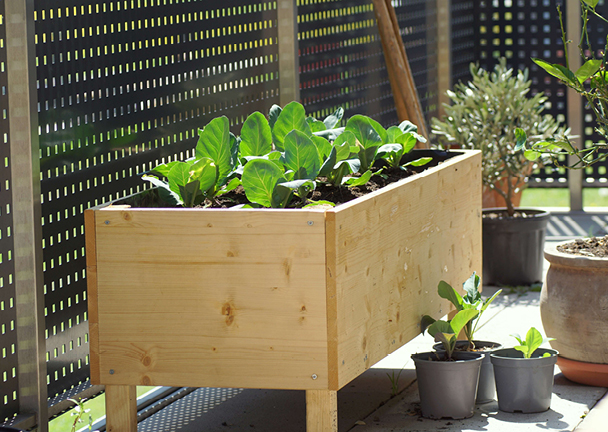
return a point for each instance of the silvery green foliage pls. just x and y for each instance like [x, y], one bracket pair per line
[485, 114]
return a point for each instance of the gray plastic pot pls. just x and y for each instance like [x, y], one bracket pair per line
[486, 389]
[447, 388]
[524, 385]
[513, 248]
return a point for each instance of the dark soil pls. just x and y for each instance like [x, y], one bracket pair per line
[591, 247]
[323, 191]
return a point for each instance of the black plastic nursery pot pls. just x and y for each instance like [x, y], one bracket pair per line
[447, 388]
[524, 385]
[486, 389]
[513, 247]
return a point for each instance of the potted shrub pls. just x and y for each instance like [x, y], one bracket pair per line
[286, 298]
[471, 300]
[484, 115]
[524, 374]
[574, 296]
[447, 379]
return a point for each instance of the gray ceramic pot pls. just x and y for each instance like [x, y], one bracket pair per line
[524, 385]
[447, 388]
[486, 389]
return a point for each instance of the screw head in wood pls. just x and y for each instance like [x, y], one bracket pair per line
[111, 371]
[314, 376]
[311, 223]
[107, 222]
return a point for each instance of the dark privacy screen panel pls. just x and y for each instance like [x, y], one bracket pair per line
[123, 85]
[8, 337]
[341, 59]
[463, 38]
[520, 30]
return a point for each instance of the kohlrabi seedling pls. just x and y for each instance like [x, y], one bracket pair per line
[400, 140]
[447, 332]
[534, 339]
[470, 301]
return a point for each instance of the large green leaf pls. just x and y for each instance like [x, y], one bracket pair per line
[215, 142]
[333, 119]
[471, 288]
[358, 181]
[343, 144]
[592, 3]
[256, 136]
[446, 291]
[164, 191]
[323, 146]
[273, 115]
[557, 71]
[206, 172]
[191, 193]
[461, 319]
[588, 69]
[367, 137]
[162, 169]
[293, 117]
[260, 177]
[179, 175]
[301, 155]
[315, 125]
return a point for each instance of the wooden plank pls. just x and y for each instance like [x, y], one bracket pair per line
[212, 298]
[321, 411]
[92, 307]
[392, 249]
[332, 301]
[121, 409]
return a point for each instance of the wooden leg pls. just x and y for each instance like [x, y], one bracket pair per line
[321, 411]
[121, 408]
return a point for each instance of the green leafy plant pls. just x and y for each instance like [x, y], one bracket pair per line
[533, 341]
[400, 141]
[279, 157]
[591, 82]
[79, 413]
[486, 114]
[471, 300]
[447, 332]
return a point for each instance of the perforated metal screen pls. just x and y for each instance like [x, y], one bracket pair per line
[463, 38]
[519, 30]
[122, 86]
[8, 337]
[342, 63]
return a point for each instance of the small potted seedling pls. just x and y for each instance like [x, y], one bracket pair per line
[471, 300]
[524, 374]
[447, 380]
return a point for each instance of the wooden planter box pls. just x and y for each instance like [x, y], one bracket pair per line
[280, 299]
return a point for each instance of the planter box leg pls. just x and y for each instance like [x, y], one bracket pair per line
[321, 411]
[121, 408]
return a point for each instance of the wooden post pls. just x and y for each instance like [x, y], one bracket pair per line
[394, 50]
[575, 105]
[26, 209]
[444, 54]
[121, 408]
[289, 74]
[321, 411]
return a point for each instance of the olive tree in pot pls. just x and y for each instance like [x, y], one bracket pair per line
[471, 300]
[524, 374]
[447, 379]
[488, 114]
[574, 296]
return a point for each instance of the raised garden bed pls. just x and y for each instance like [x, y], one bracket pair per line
[284, 299]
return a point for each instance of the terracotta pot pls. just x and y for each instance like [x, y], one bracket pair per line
[574, 307]
[492, 199]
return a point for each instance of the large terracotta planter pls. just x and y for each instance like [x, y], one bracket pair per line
[574, 311]
[288, 299]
